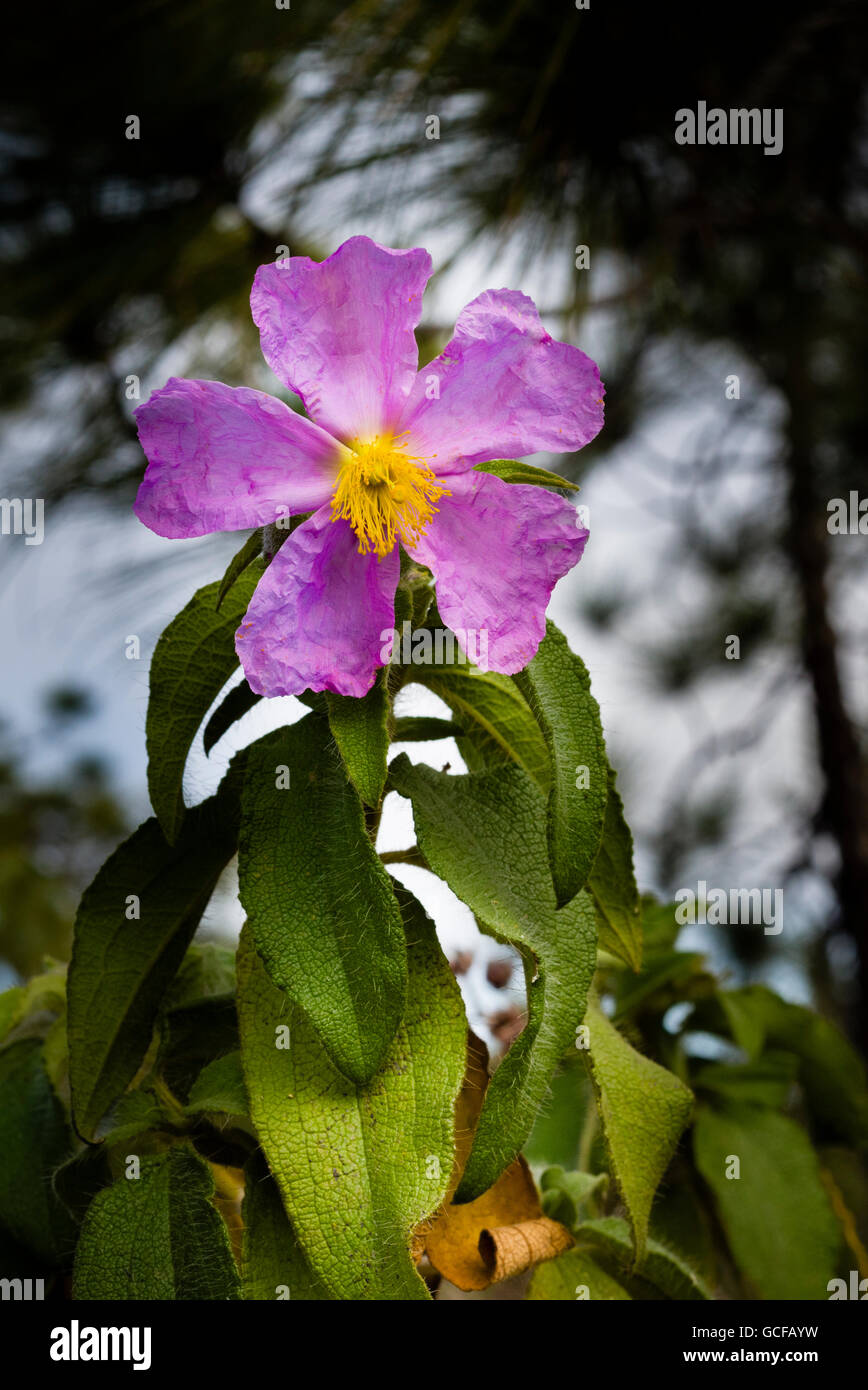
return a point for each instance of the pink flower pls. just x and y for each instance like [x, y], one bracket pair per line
[386, 459]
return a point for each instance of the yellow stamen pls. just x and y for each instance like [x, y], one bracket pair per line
[385, 494]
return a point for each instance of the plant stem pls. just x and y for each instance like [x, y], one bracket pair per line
[413, 855]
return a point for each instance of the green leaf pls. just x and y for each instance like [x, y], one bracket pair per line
[359, 728]
[34, 1140]
[77, 1180]
[659, 926]
[558, 690]
[516, 471]
[744, 1014]
[237, 703]
[135, 1113]
[197, 1022]
[191, 1038]
[318, 899]
[683, 1220]
[561, 1279]
[845, 1178]
[33, 1008]
[272, 1261]
[612, 885]
[220, 1087]
[496, 721]
[121, 967]
[668, 977]
[423, 728]
[831, 1072]
[778, 1221]
[55, 1056]
[12, 1003]
[661, 1266]
[314, 700]
[564, 1194]
[157, 1236]
[358, 1166]
[485, 835]
[643, 1108]
[207, 972]
[557, 1129]
[192, 662]
[250, 551]
[45, 993]
[766, 1082]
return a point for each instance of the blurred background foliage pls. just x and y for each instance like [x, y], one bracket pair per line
[122, 257]
[53, 839]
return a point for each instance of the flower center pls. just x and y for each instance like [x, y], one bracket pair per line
[385, 494]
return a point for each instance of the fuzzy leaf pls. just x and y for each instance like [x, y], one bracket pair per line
[192, 662]
[234, 707]
[612, 885]
[666, 1269]
[135, 1113]
[121, 967]
[28, 1008]
[359, 728]
[220, 1087]
[34, 1140]
[644, 1108]
[423, 728]
[157, 1236]
[319, 902]
[358, 1166]
[485, 835]
[207, 972]
[517, 471]
[496, 722]
[558, 690]
[561, 1279]
[564, 1194]
[272, 1262]
[250, 551]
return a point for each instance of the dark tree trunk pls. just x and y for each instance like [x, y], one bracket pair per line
[842, 813]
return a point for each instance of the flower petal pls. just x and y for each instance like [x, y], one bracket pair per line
[497, 550]
[222, 458]
[319, 614]
[340, 332]
[506, 390]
